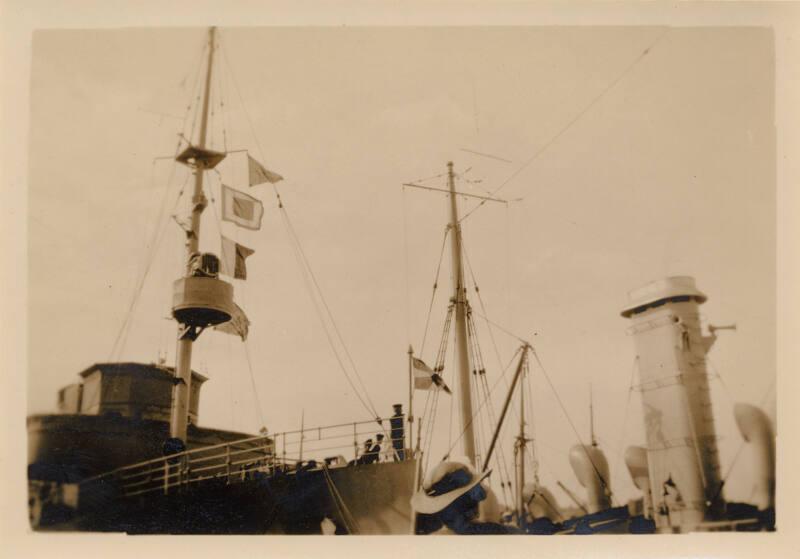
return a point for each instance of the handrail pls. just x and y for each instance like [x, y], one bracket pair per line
[269, 440]
[233, 461]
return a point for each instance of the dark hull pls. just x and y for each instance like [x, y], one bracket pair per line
[65, 450]
[371, 499]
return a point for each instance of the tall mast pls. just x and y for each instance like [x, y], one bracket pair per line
[183, 367]
[462, 339]
[410, 401]
[521, 456]
[591, 417]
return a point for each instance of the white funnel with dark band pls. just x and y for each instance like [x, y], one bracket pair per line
[681, 445]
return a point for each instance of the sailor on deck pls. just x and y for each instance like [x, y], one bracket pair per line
[374, 453]
[364, 452]
[398, 433]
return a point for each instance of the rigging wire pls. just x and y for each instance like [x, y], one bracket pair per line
[483, 385]
[620, 458]
[309, 282]
[478, 357]
[488, 322]
[304, 260]
[480, 406]
[223, 49]
[456, 382]
[435, 286]
[501, 453]
[223, 112]
[211, 116]
[440, 175]
[718, 376]
[742, 444]
[196, 116]
[569, 124]
[253, 383]
[155, 242]
[305, 265]
[574, 430]
[158, 232]
[480, 443]
[438, 367]
[245, 341]
[502, 329]
[429, 430]
[532, 448]
[199, 63]
[407, 268]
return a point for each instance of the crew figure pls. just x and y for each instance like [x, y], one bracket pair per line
[374, 452]
[452, 494]
[365, 452]
[398, 432]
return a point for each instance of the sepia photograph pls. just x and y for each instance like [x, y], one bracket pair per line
[403, 280]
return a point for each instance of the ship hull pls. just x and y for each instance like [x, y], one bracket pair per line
[66, 451]
[363, 499]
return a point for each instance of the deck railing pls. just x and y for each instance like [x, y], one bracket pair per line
[239, 460]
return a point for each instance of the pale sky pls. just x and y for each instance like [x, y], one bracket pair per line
[671, 171]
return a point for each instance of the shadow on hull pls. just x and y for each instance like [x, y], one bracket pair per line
[364, 499]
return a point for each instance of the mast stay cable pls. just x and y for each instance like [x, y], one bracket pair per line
[501, 455]
[742, 444]
[223, 120]
[483, 402]
[572, 425]
[303, 262]
[433, 293]
[619, 451]
[483, 387]
[569, 124]
[160, 227]
[259, 408]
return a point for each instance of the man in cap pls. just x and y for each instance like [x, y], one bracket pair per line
[365, 452]
[452, 494]
[398, 432]
[375, 451]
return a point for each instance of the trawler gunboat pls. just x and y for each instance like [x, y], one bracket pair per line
[125, 451]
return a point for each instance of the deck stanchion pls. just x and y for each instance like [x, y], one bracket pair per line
[228, 463]
[166, 477]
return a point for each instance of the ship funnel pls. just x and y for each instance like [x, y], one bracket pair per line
[756, 429]
[671, 349]
[636, 460]
[591, 468]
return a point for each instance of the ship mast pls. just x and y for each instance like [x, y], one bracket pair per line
[591, 417]
[521, 458]
[462, 339]
[183, 367]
